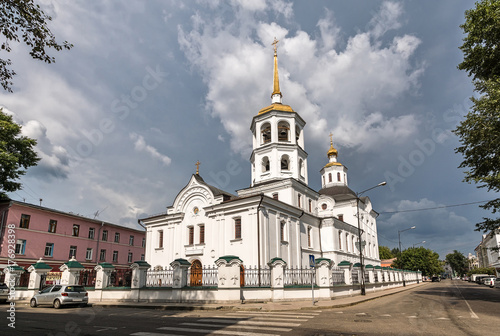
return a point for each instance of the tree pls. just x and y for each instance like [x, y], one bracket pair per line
[22, 19]
[479, 133]
[458, 262]
[16, 153]
[419, 259]
[385, 253]
[482, 270]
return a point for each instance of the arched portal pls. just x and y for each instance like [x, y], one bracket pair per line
[196, 271]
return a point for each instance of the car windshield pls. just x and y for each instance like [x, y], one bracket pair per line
[73, 289]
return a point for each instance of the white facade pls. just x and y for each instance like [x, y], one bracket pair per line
[278, 216]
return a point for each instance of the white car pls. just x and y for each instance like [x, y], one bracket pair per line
[490, 281]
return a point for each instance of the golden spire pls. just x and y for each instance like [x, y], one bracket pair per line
[331, 151]
[276, 81]
[197, 164]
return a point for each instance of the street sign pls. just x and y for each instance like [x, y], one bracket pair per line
[363, 243]
[312, 262]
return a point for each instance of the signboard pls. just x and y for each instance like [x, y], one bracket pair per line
[312, 262]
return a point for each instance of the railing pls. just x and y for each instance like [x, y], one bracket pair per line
[87, 277]
[338, 276]
[366, 277]
[160, 278]
[205, 277]
[355, 277]
[120, 278]
[299, 277]
[251, 277]
[23, 280]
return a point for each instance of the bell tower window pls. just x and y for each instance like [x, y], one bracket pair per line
[266, 133]
[301, 167]
[329, 177]
[285, 162]
[283, 131]
[265, 164]
[338, 177]
[297, 133]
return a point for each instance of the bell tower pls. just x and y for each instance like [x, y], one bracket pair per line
[278, 139]
[333, 173]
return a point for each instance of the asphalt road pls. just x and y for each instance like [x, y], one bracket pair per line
[444, 308]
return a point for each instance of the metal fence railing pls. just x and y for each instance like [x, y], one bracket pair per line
[253, 277]
[299, 277]
[160, 278]
[338, 276]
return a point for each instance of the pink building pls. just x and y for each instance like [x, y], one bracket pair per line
[56, 236]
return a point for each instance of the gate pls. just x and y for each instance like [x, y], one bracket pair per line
[196, 277]
[87, 277]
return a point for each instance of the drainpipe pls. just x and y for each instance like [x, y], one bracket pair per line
[258, 234]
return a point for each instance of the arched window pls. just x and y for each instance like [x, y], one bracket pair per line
[353, 243]
[282, 230]
[266, 133]
[323, 180]
[265, 164]
[329, 177]
[347, 242]
[301, 167]
[297, 133]
[338, 177]
[285, 162]
[283, 131]
[340, 240]
[309, 240]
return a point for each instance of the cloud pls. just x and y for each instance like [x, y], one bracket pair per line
[333, 89]
[141, 146]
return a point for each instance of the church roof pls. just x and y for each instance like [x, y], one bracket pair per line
[214, 190]
[339, 193]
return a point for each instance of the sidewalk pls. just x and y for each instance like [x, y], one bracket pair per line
[262, 306]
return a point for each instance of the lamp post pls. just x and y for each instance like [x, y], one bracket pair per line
[422, 242]
[401, 252]
[360, 246]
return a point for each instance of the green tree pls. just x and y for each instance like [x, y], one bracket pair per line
[385, 252]
[16, 154]
[482, 270]
[458, 262]
[24, 20]
[479, 133]
[419, 259]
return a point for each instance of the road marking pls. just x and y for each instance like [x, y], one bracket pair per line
[413, 316]
[215, 332]
[339, 312]
[143, 333]
[270, 319]
[253, 315]
[360, 314]
[472, 314]
[236, 321]
[386, 315]
[237, 326]
[274, 313]
[442, 318]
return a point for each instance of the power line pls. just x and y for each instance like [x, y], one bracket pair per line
[434, 208]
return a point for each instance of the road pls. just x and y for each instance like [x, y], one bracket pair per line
[444, 308]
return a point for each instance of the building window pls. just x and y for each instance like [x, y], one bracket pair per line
[338, 177]
[72, 251]
[102, 255]
[202, 234]
[266, 166]
[143, 242]
[117, 237]
[275, 196]
[354, 243]
[309, 242]
[285, 162]
[266, 133]
[88, 254]
[20, 246]
[49, 249]
[52, 226]
[310, 205]
[25, 221]
[130, 256]
[105, 235]
[341, 217]
[115, 256]
[91, 233]
[329, 177]
[347, 242]
[131, 240]
[237, 228]
[323, 206]
[283, 130]
[76, 230]
[340, 240]
[160, 239]
[301, 168]
[191, 235]
[142, 257]
[282, 230]
[299, 197]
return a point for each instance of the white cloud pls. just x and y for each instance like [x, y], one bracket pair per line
[141, 146]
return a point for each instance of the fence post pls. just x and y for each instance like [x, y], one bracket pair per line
[378, 269]
[277, 266]
[323, 276]
[229, 276]
[71, 272]
[103, 274]
[180, 267]
[346, 267]
[371, 277]
[139, 274]
[38, 271]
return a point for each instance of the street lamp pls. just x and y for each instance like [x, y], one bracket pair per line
[422, 242]
[360, 246]
[401, 252]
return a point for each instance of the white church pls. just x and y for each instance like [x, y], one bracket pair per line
[278, 216]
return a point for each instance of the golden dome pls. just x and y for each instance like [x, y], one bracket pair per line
[276, 107]
[332, 151]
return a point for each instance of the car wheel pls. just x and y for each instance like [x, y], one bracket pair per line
[33, 303]
[57, 304]
[83, 305]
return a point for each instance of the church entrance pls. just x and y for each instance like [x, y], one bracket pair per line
[196, 276]
[242, 276]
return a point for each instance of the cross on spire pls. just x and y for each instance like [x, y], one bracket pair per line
[275, 44]
[331, 135]
[197, 164]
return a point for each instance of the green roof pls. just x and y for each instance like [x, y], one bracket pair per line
[369, 266]
[378, 267]
[275, 259]
[141, 263]
[322, 259]
[41, 265]
[344, 263]
[15, 268]
[228, 258]
[106, 265]
[357, 265]
[182, 261]
[73, 264]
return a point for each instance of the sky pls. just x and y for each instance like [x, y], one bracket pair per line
[150, 88]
